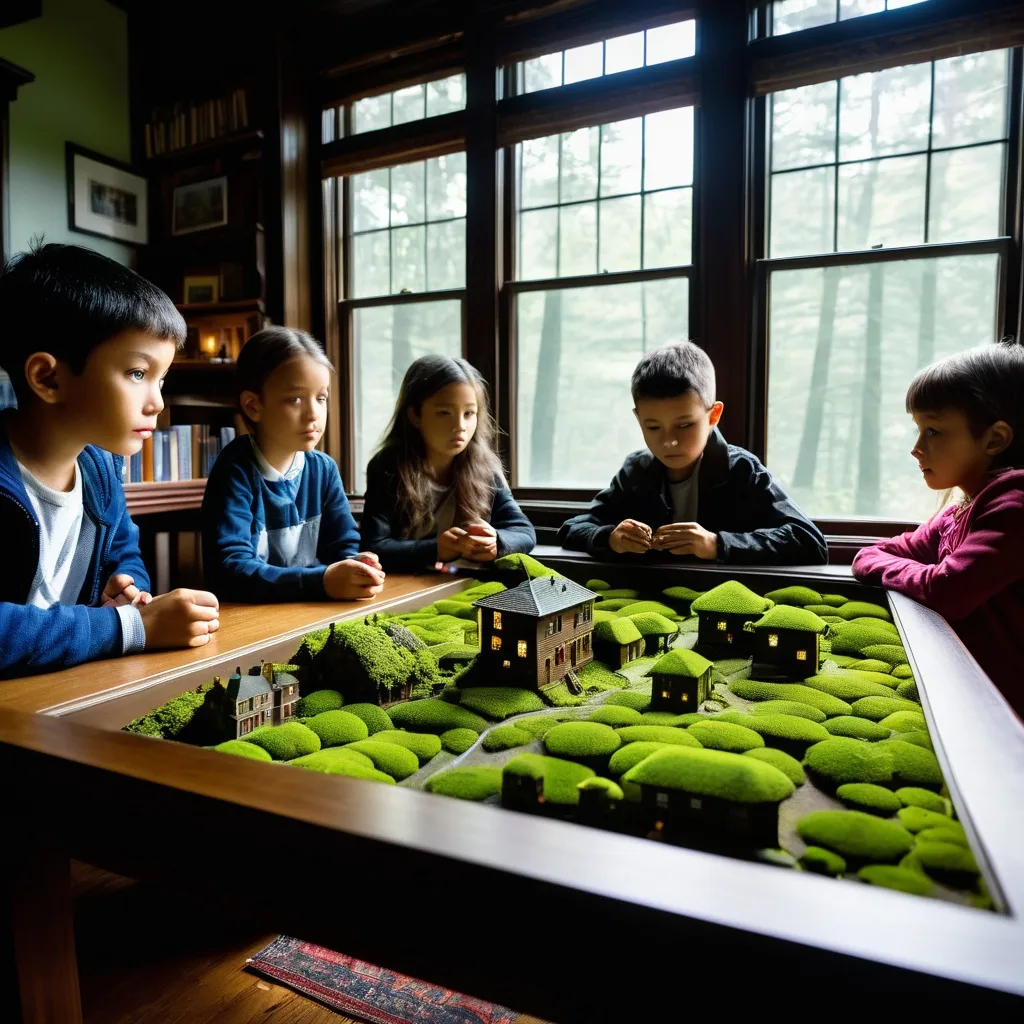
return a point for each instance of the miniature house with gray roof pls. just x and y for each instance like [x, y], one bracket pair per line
[722, 615]
[537, 634]
[680, 681]
[262, 697]
[789, 640]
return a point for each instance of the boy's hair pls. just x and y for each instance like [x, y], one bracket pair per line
[674, 370]
[67, 300]
[986, 384]
[475, 467]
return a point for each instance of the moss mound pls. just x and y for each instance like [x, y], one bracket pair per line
[517, 564]
[505, 737]
[914, 796]
[891, 654]
[453, 606]
[612, 604]
[713, 773]
[458, 741]
[465, 783]
[788, 617]
[620, 593]
[171, 719]
[613, 789]
[798, 596]
[877, 708]
[907, 690]
[945, 858]
[658, 734]
[601, 615]
[913, 765]
[616, 631]
[538, 725]
[916, 819]
[682, 595]
[393, 760]
[872, 665]
[865, 796]
[855, 834]
[853, 637]
[890, 877]
[903, 672]
[680, 662]
[597, 677]
[615, 716]
[641, 607]
[424, 745]
[561, 778]
[841, 760]
[789, 728]
[822, 861]
[317, 702]
[789, 766]
[719, 735]
[670, 718]
[856, 728]
[752, 689]
[288, 741]
[919, 739]
[835, 600]
[821, 610]
[500, 701]
[484, 590]
[434, 715]
[953, 832]
[336, 728]
[375, 718]
[788, 707]
[632, 754]
[652, 624]
[630, 699]
[575, 740]
[847, 687]
[597, 585]
[342, 761]
[243, 749]
[864, 609]
[731, 598]
[905, 721]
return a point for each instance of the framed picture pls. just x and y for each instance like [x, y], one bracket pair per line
[105, 197]
[202, 289]
[200, 206]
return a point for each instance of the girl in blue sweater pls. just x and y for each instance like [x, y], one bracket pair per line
[435, 492]
[276, 522]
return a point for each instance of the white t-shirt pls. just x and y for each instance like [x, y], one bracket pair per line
[683, 496]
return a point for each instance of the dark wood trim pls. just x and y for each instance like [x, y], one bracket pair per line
[407, 297]
[404, 143]
[151, 498]
[330, 253]
[12, 77]
[897, 254]
[439, 61]
[1013, 199]
[506, 395]
[548, 284]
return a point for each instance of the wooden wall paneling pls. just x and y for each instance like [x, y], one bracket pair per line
[12, 77]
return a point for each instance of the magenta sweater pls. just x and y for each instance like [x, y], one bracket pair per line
[970, 569]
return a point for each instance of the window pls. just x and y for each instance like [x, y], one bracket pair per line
[801, 655]
[666, 694]
[495, 643]
[506, 663]
[522, 648]
[723, 625]
[413, 103]
[773, 639]
[794, 15]
[497, 620]
[594, 60]
[889, 165]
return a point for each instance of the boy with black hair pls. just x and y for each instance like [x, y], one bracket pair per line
[690, 493]
[86, 343]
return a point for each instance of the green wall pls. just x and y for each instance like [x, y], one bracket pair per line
[78, 51]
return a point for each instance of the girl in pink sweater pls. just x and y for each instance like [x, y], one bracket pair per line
[967, 562]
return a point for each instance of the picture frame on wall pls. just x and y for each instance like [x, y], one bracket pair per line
[106, 198]
[202, 288]
[200, 206]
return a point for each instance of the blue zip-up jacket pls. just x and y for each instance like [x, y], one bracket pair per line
[249, 520]
[44, 640]
[756, 521]
[381, 530]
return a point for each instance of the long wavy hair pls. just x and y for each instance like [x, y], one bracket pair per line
[474, 468]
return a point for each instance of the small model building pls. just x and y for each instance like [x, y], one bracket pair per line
[262, 697]
[537, 634]
[680, 681]
[722, 614]
[789, 639]
[617, 641]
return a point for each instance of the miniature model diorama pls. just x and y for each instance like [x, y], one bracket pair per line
[666, 746]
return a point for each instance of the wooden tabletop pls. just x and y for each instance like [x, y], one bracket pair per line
[243, 628]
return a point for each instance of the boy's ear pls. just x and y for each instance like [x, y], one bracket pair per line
[414, 418]
[251, 405]
[715, 413]
[43, 376]
[1000, 437]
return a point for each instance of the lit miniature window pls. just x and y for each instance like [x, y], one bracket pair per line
[495, 643]
[722, 625]
[497, 620]
[661, 799]
[773, 639]
[684, 698]
[801, 655]
[506, 663]
[665, 694]
[522, 648]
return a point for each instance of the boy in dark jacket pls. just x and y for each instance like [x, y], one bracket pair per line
[690, 493]
[86, 343]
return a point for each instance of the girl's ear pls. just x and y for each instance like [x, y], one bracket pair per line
[414, 417]
[1000, 437]
[251, 405]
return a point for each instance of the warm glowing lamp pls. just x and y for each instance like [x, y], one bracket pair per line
[209, 344]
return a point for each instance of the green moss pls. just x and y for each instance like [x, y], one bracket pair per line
[613, 790]
[640, 607]
[170, 719]
[424, 745]
[505, 737]
[913, 765]
[336, 728]
[597, 585]
[458, 741]
[680, 662]
[243, 749]
[854, 637]
[466, 783]
[945, 858]
[500, 701]
[317, 702]
[288, 741]
[488, 589]
[615, 716]
[841, 760]
[561, 778]
[789, 766]
[915, 819]
[653, 624]
[891, 654]
[798, 596]
[452, 652]
[902, 879]
[669, 718]
[903, 672]
[821, 610]
[877, 708]
[919, 739]
[788, 707]
[856, 728]
[600, 615]
[907, 690]
[872, 665]
[953, 832]
[558, 696]
[518, 563]
[752, 689]
[342, 761]
[596, 677]
[835, 661]
[846, 687]
[433, 715]
[787, 617]
[914, 796]
[632, 754]
[731, 598]
[864, 609]
[375, 718]
[538, 725]
[865, 796]
[612, 604]
[575, 740]
[822, 861]
[619, 594]
[719, 735]
[855, 834]
[630, 699]
[905, 721]
[393, 760]
[713, 773]
[658, 734]
[787, 728]
[617, 631]
[835, 600]
[681, 595]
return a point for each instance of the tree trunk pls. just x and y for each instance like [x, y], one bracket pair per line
[545, 393]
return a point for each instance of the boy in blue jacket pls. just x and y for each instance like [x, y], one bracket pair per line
[689, 493]
[86, 343]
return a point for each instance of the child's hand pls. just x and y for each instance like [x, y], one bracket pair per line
[449, 544]
[182, 618]
[121, 589]
[353, 580]
[480, 542]
[630, 537]
[368, 557]
[687, 539]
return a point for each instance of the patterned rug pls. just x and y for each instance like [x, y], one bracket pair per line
[370, 993]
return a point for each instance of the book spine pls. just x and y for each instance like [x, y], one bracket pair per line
[147, 460]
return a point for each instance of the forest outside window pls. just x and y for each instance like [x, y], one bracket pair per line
[411, 103]
[795, 15]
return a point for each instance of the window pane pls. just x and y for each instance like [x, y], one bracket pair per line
[583, 62]
[802, 212]
[881, 203]
[855, 8]
[624, 53]
[668, 228]
[409, 104]
[386, 340]
[579, 164]
[371, 274]
[407, 194]
[446, 255]
[577, 244]
[804, 126]
[884, 113]
[621, 157]
[967, 194]
[671, 42]
[538, 161]
[668, 148]
[620, 234]
[446, 186]
[586, 341]
[538, 244]
[794, 15]
[844, 344]
[446, 95]
[542, 72]
[371, 113]
[370, 200]
[408, 259]
[970, 99]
